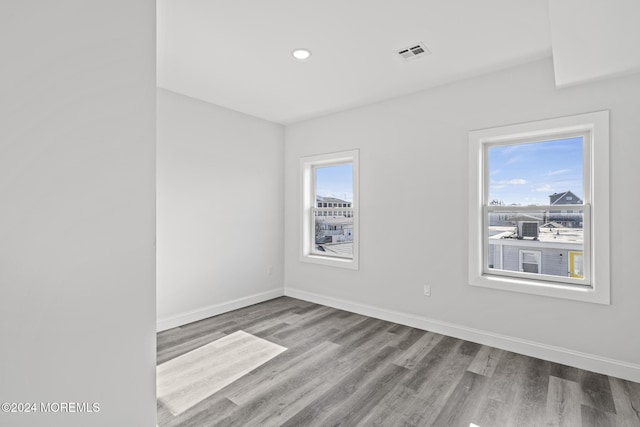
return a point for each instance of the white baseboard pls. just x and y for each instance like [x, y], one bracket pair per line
[603, 365]
[214, 310]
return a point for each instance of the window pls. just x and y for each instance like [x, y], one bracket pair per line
[330, 236]
[523, 217]
[539, 209]
[530, 261]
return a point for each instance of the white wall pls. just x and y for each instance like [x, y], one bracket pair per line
[220, 221]
[77, 260]
[593, 39]
[413, 159]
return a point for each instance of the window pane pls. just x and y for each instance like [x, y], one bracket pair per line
[537, 173]
[334, 230]
[538, 241]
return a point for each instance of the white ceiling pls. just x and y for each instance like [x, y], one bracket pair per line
[237, 53]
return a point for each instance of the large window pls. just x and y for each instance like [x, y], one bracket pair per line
[539, 211]
[329, 219]
[522, 220]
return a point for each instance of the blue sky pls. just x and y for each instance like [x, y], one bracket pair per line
[527, 174]
[335, 181]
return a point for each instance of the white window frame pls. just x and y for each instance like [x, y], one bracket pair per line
[307, 212]
[596, 286]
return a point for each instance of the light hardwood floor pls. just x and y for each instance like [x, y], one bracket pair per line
[345, 369]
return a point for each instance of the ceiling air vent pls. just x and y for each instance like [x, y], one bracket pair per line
[417, 50]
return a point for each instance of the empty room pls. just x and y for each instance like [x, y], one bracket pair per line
[245, 213]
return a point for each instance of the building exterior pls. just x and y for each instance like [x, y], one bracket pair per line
[567, 217]
[332, 202]
[543, 241]
[555, 251]
[566, 198]
[334, 226]
[334, 229]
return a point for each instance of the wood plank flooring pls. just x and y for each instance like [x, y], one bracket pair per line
[344, 369]
[186, 380]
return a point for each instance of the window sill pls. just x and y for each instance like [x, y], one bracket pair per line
[591, 294]
[350, 264]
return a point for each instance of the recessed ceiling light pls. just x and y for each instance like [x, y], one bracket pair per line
[301, 54]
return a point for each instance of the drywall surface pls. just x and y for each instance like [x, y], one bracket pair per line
[220, 197]
[413, 213]
[594, 40]
[77, 257]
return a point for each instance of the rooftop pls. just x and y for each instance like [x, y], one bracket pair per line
[340, 249]
[545, 235]
[335, 219]
[330, 200]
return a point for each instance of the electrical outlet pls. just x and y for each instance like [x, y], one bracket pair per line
[270, 270]
[427, 290]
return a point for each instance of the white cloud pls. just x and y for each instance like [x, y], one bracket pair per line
[515, 181]
[545, 187]
[514, 159]
[558, 172]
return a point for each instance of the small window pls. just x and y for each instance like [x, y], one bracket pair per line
[539, 208]
[530, 261]
[330, 237]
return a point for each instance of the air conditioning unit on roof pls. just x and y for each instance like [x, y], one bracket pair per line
[528, 229]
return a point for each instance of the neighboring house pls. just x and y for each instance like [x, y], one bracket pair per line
[332, 202]
[567, 217]
[334, 229]
[554, 245]
[512, 218]
[333, 225]
[557, 252]
[566, 198]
